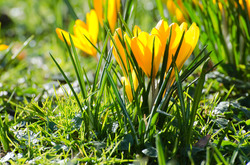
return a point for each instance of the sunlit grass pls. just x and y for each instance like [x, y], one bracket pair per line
[59, 105]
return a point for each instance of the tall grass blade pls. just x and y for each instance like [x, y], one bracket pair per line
[122, 105]
[68, 82]
[71, 10]
[160, 152]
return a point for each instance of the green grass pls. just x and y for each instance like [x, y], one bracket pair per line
[59, 107]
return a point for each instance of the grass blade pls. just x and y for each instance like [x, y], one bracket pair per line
[122, 105]
[160, 152]
[71, 10]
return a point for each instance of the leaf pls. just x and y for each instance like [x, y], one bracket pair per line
[151, 152]
[203, 141]
[126, 143]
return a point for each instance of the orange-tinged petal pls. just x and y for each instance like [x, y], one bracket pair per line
[248, 8]
[93, 27]
[122, 60]
[142, 47]
[3, 47]
[162, 25]
[118, 5]
[99, 10]
[189, 42]
[158, 53]
[138, 51]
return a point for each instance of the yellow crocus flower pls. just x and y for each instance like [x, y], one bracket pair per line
[191, 36]
[162, 31]
[81, 29]
[142, 47]
[136, 30]
[123, 61]
[121, 49]
[189, 42]
[176, 11]
[3, 47]
[128, 87]
[113, 9]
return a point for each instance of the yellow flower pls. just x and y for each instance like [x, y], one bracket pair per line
[191, 36]
[162, 31]
[113, 9]
[136, 31]
[121, 49]
[123, 61]
[81, 29]
[142, 47]
[177, 11]
[128, 87]
[3, 47]
[190, 40]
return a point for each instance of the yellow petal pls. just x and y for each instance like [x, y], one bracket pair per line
[135, 80]
[112, 14]
[174, 42]
[190, 40]
[138, 51]
[81, 23]
[76, 41]
[82, 34]
[153, 41]
[128, 87]
[93, 27]
[3, 47]
[162, 26]
[136, 31]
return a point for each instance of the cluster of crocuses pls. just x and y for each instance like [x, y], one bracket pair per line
[86, 34]
[143, 44]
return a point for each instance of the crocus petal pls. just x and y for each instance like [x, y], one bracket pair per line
[79, 22]
[82, 34]
[138, 51]
[136, 31]
[142, 47]
[190, 40]
[99, 10]
[121, 61]
[76, 41]
[128, 87]
[112, 14]
[3, 47]
[93, 27]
